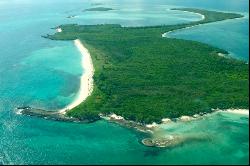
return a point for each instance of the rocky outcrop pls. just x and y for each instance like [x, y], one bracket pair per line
[50, 115]
[173, 140]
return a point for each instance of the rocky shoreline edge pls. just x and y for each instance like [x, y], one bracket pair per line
[151, 141]
[50, 115]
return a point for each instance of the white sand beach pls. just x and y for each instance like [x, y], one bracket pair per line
[221, 55]
[58, 30]
[202, 18]
[201, 15]
[87, 82]
[238, 111]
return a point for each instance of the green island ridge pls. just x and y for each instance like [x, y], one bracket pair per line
[99, 9]
[145, 77]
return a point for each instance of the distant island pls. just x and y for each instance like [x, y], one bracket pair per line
[96, 4]
[99, 9]
[71, 16]
[145, 77]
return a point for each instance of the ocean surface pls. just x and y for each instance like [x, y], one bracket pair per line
[45, 74]
[230, 35]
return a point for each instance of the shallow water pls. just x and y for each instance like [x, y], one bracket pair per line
[231, 35]
[42, 73]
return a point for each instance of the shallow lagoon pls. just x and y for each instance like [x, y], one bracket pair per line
[45, 74]
[230, 35]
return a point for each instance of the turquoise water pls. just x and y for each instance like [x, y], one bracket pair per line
[231, 35]
[45, 74]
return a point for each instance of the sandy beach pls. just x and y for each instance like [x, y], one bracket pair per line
[58, 30]
[238, 111]
[166, 34]
[86, 85]
[202, 18]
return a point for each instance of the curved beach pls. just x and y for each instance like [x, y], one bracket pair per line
[87, 83]
[203, 17]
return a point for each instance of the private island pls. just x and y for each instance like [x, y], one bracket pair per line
[138, 76]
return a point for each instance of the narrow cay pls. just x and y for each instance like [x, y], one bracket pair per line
[86, 82]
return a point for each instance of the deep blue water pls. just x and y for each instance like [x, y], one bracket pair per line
[42, 73]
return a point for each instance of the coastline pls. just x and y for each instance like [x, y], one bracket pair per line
[86, 80]
[152, 139]
[166, 34]
[236, 111]
[203, 17]
[172, 140]
[150, 127]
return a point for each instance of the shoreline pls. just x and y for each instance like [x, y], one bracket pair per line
[150, 127]
[151, 140]
[166, 34]
[86, 80]
[236, 111]
[202, 18]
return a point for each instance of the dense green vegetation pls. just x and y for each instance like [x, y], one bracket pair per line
[144, 77]
[99, 9]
